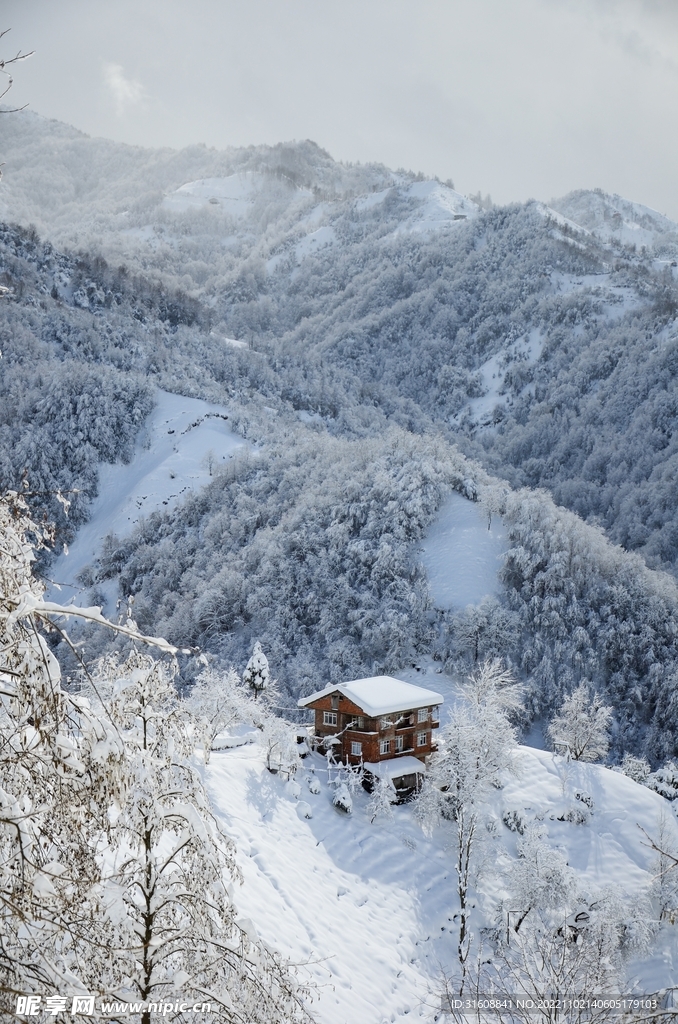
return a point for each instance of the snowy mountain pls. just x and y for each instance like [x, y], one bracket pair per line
[356, 325]
[615, 219]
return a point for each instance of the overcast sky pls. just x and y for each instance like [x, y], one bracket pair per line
[518, 98]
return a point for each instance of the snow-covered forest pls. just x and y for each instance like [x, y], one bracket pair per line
[372, 343]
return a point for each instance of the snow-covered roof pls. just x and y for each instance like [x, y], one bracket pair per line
[395, 767]
[379, 695]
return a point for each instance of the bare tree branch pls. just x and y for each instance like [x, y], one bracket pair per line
[4, 64]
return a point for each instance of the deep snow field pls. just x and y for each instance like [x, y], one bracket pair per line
[369, 908]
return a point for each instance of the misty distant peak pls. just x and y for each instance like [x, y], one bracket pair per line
[614, 218]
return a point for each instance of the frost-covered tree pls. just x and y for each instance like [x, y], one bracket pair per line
[581, 727]
[485, 630]
[539, 879]
[382, 798]
[114, 876]
[59, 766]
[577, 950]
[217, 701]
[665, 881]
[492, 692]
[167, 896]
[282, 749]
[475, 747]
[257, 672]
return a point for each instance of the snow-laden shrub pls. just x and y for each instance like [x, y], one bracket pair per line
[514, 821]
[342, 798]
[585, 799]
[576, 815]
[636, 768]
[313, 786]
[293, 789]
[664, 781]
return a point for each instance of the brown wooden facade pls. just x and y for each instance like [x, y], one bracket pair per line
[363, 739]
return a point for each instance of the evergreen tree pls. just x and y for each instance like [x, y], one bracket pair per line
[382, 798]
[257, 671]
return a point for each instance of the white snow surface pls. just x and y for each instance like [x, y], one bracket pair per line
[370, 907]
[233, 194]
[461, 556]
[379, 695]
[169, 462]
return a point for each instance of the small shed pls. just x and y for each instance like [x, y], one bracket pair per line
[376, 719]
[406, 774]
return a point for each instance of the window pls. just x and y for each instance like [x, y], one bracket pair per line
[422, 715]
[421, 739]
[399, 743]
[384, 746]
[360, 723]
[435, 714]
[329, 717]
[356, 748]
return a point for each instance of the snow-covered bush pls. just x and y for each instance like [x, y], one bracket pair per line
[636, 768]
[664, 781]
[576, 815]
[342, 799]
[515, 821]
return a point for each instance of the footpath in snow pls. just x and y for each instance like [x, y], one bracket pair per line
[180, 441]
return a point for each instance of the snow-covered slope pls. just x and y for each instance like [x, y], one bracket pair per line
[613, 218]
[439, 207]
[461, 555]
[370, 907]
[234, 194]
[182, 443]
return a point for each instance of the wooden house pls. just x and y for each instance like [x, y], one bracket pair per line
[383, 723]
